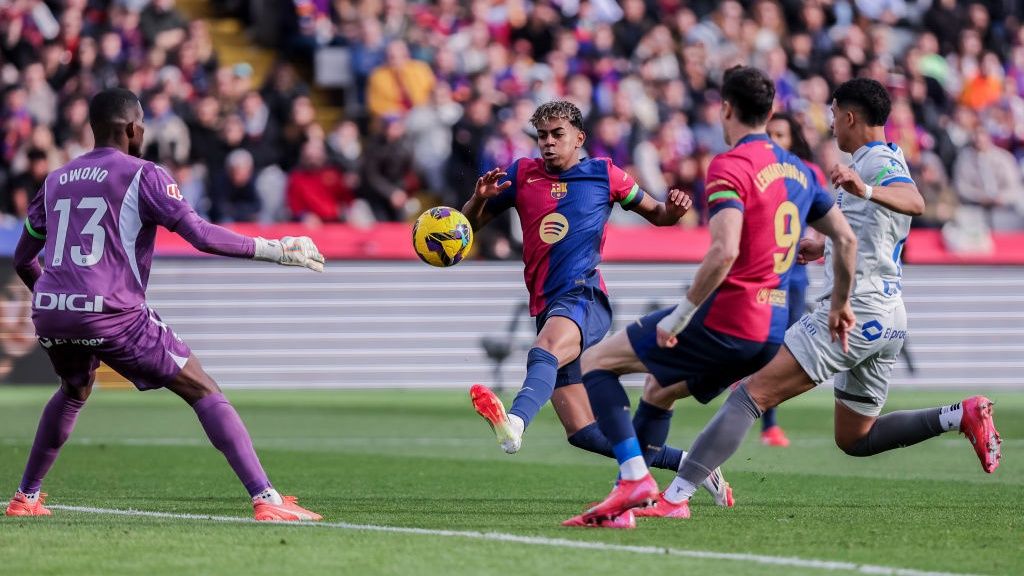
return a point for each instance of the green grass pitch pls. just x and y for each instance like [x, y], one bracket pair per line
[425, 460]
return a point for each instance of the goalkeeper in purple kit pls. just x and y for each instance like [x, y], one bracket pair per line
[97, 217]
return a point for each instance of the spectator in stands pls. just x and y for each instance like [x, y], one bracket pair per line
[296, 131]
[166, 137]
[233, 195]
[943, 19]
[56, 64]
[388, 178]
[953, 68]
[903, 130]
[609, 141]
[346, 150]
[162, 25]
[27, 184]
[468, 137]
[509, 142]
[988, 176]
[191, 185]
[40, 99]
[281, 88]
[199, 31]
[204, 129]
[125, 22]
[262, 134]
[983, 84]
[73, 132]
[940, 201]
[17, 123]
[399, 84]
[317, 192]
[630, 30]
[41, 139]
[429, 127]
[368, 52]
[660, 162]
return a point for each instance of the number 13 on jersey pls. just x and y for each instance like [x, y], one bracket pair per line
[98, 206]
[787, 235]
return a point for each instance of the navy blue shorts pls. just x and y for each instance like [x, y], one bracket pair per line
[708, 361]
[589, 309]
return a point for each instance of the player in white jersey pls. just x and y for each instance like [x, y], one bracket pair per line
[878, 197]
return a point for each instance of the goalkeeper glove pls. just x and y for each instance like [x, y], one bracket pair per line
[290, 251]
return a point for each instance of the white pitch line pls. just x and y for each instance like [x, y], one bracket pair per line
[791, 561]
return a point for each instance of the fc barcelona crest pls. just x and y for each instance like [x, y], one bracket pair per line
[559, 190]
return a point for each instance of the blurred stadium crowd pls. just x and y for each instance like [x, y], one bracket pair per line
[442, 90]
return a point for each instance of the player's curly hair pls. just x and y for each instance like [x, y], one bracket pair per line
[751, 93]
[558, 109]
[867, 96]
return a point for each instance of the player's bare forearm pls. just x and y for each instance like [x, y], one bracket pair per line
[900, 197]
[26, 262]
[726, 228]
[844, 263]
[489, 185]
[666, 213]
[473, 209]
[844, 251]
[712, 271]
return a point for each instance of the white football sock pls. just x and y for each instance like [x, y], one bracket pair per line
[679, 490]
[29, 496]
[949, 417]
[517, 424]
[269, 495]
[633, 469]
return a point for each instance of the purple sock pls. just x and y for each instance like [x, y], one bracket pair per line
[228, 434]
[55, 425]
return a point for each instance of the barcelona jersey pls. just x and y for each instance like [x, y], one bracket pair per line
[563, 216]
[778, 194]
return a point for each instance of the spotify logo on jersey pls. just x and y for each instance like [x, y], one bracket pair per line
[553, 228]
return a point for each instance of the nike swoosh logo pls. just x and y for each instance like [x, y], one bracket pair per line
[532, 180]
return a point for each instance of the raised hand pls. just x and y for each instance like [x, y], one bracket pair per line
[677, 204]
[847, 179]
[487, 185]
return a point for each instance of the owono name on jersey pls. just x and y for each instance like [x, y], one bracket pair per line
[69, 302]
[94, 174]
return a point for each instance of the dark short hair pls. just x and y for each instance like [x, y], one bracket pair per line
[36, 154]
[868, 96]
[750, 92]
[110, 108]
[558, 109]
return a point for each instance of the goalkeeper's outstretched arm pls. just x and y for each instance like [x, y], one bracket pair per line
[214, 239]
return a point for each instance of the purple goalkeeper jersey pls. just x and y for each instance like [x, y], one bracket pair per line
[98, 215]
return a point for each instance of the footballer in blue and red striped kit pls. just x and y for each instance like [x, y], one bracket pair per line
[563, 202]
[734, 316]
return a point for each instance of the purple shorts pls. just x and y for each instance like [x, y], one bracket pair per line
[146, 352]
